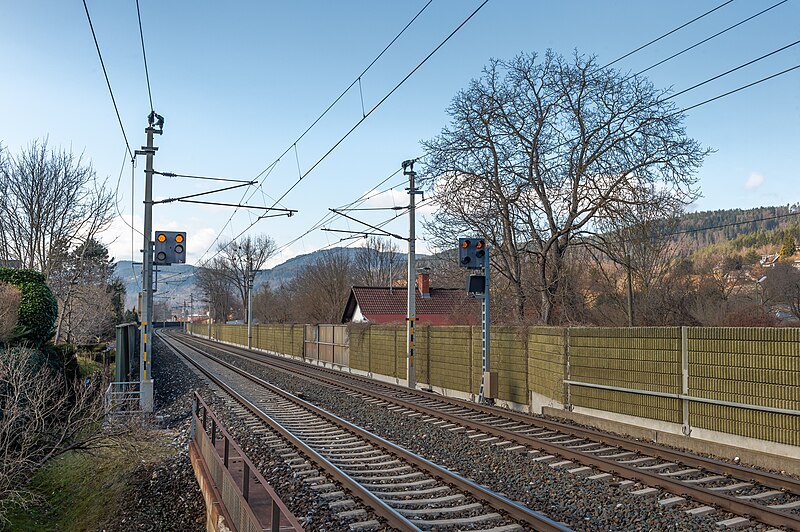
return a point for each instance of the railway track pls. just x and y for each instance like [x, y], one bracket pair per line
[404, 489]
[768, 498]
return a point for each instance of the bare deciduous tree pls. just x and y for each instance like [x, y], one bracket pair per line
[377, 263]
[44, 415]
[10, 297]
[272, 306]
[248, 254]
[782, 286]
[538, 151]
[51, 202]
[216, 288]
[320, 290]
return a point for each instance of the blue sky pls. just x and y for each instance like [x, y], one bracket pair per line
[237, 82]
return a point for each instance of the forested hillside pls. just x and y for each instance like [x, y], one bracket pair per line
[743, 228]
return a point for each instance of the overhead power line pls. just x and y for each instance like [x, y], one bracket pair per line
[268, 170]
[743, 87]
[108, 82]
[383, 100]
[695, 45]
[144, 56]
[364, 117]
[631, 240]
[709, 80]
[357, 80]
[642, 47]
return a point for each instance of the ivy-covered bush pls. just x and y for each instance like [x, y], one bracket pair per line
[38, 308]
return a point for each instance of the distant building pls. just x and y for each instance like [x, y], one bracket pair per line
[769, 261]
[434, 306]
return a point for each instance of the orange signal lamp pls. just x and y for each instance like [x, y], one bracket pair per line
[479, 244]
[161, 237]
[178, 238]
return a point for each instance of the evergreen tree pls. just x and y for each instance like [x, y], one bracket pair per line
[788, 245]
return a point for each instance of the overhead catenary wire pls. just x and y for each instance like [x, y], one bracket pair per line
[329, 215]
[690, 88]
[108, 82]
[268, 170]
[695, 45]
[667, 34]
[674, 55]
[372, 110]
[356, 80]
[189, 176]
[144, 56]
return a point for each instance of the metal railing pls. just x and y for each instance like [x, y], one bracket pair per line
[123, 397]
[248, 498]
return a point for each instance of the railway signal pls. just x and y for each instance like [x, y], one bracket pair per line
[473, 254]
[170, 248]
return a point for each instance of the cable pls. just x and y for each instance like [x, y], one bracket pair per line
[329, 216]
[108, 83]
[732, 70]
[345, 91]
[268, 170]
[188, 176]
[738, 89]
[695, 45]
[696, 230]
[144, 55]
[665, 35]
[359, 122]
[377, 105]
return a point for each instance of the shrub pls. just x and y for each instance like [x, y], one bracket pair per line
[38, 308]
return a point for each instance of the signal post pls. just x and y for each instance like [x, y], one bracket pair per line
[473, 254]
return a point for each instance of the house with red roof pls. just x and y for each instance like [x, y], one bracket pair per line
[434, 306]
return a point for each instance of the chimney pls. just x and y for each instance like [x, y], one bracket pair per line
[424, 282]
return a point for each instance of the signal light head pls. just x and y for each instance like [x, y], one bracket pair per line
[179, 238]
[465, 244]
[161, 237]
[479, 244]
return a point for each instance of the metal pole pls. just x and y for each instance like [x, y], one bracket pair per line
[145, 358]
[250, 278]
[630, 289]
[412, 268]
[191, 313]
[485, 329]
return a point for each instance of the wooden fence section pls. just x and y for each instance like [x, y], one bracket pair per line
[740, 381]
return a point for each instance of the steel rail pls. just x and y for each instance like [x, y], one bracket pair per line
[377, 505]
[494, 500]
[737, 506]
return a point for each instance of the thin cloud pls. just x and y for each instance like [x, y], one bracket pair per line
[754, 181]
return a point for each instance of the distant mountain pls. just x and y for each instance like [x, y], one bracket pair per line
[178, 283]
[737, 229]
